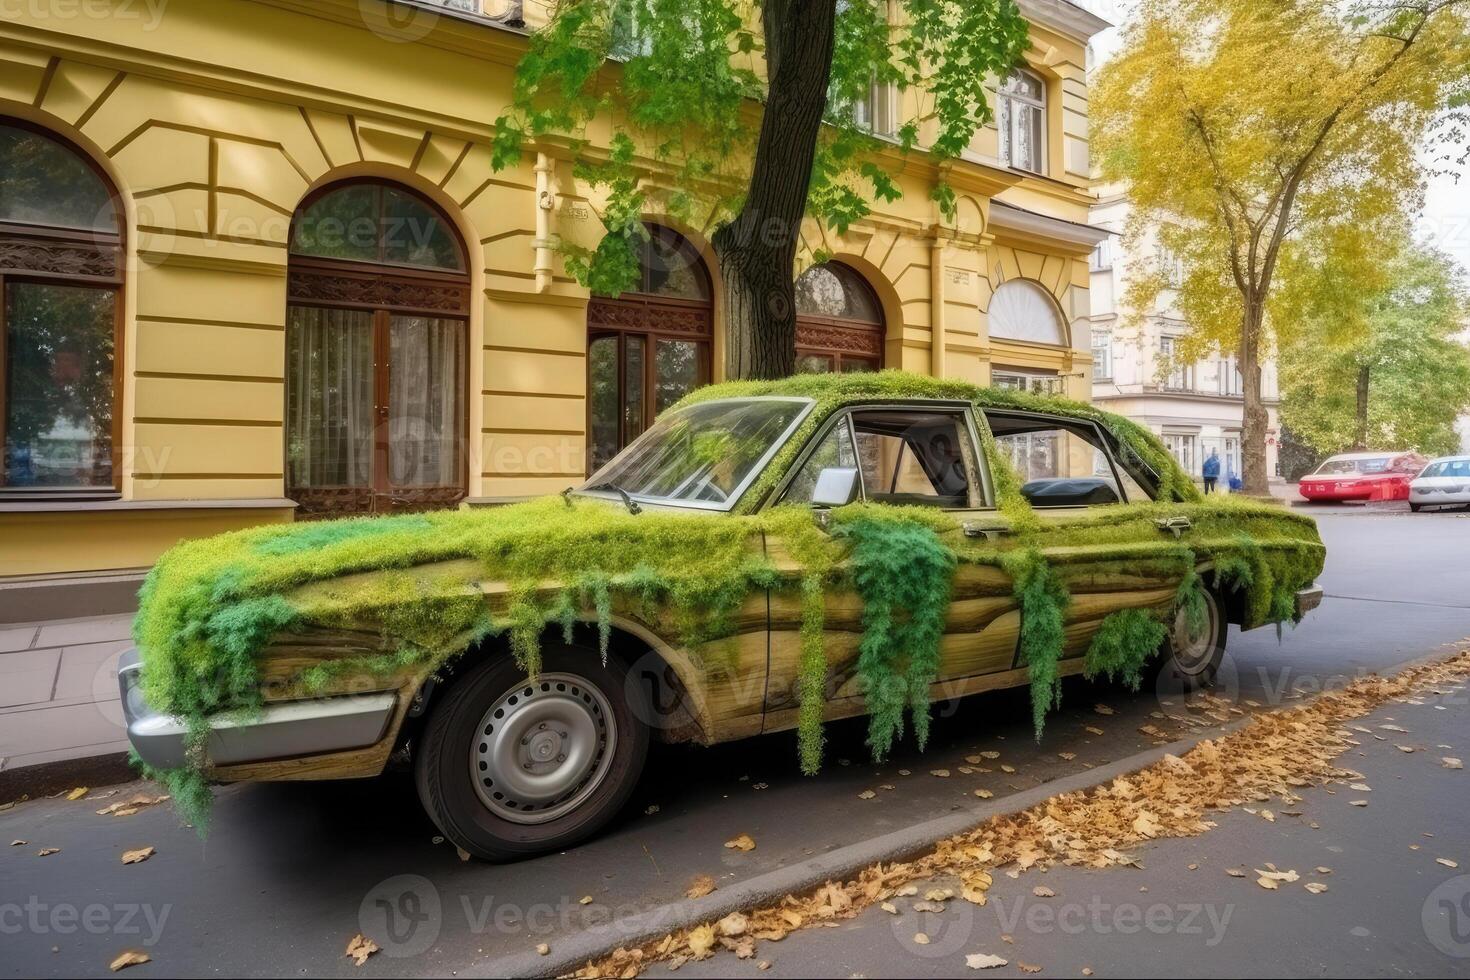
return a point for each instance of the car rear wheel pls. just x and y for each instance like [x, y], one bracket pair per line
[1195, 653]
[511, 767]
[1415, 507]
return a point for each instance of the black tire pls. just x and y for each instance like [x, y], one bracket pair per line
[1413, 507]
[1196, 660]
[445, 766]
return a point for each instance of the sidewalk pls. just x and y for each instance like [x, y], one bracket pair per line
[58, 691]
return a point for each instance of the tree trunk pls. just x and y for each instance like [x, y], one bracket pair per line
[1360, 429]
[1254, 418]
[757, 250]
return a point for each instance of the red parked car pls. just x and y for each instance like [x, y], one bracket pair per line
[1362, 476]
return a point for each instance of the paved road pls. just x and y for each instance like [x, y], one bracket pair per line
[280, 883]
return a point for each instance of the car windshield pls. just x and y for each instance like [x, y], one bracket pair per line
[1340, 466]
[703, 455]
[1448, 467]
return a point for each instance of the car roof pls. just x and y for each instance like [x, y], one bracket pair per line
[1369, 455]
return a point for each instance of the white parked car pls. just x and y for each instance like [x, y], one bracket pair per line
[1445, 481]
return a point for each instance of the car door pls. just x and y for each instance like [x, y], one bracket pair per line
[1070, 469]
[919, 454]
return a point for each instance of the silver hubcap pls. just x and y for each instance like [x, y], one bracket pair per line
[543, 748]
[1193, 649]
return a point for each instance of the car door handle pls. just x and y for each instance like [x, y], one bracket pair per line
[1175, 525]
[975, 529]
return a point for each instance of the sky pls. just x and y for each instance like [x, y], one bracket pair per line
[1445, 221]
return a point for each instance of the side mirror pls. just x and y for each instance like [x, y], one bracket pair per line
[836, 486]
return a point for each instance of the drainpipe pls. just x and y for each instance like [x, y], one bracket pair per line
[545, 205]
[937, 337]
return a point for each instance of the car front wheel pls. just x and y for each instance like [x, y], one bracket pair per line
[1195, 652]
[510, 767]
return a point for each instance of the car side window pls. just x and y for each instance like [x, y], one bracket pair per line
[1062, 463]
[924, 458]
[904, 456]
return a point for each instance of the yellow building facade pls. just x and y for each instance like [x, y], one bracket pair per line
[183, 357]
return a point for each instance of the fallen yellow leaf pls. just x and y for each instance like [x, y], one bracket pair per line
[127, 958]
[359, 948]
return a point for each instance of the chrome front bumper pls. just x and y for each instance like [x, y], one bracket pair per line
[1308, 599]
[278, 731]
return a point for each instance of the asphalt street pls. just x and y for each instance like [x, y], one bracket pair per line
[290, 872]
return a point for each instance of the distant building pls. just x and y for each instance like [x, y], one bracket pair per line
[1195, 408]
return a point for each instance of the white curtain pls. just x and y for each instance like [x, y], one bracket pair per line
[329, 396]
[426, 417]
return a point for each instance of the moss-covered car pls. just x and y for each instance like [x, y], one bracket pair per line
[767, 557]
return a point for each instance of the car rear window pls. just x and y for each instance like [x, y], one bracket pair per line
[1448, 467]
[1344, 467]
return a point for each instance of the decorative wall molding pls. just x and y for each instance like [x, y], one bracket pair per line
[59, 258]
[866, 341]
[644, 316]
[310, 286]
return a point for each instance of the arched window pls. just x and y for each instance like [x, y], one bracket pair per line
[61, 239]
[1023, 310]
[839, 322]
[647, 348]
[376, 325]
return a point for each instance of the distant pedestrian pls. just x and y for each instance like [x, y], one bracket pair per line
[1211, 471]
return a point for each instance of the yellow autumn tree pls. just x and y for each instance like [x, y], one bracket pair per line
[1265, 145]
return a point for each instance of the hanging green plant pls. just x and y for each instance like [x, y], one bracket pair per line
[904, 574]
[1122, 645]
[1043, 600]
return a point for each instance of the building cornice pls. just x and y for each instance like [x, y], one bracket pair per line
[1079, 236]
[1064, 18]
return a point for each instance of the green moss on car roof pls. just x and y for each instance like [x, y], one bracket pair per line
[834, 391]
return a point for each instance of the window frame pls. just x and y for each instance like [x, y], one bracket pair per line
[100, 245]
[1102, 363]
[1191, 441]
[389, 290]
[1184, 373]
[985, 484]
[654, 317]
[843, 339]
[1054, 380]
[1005, 116]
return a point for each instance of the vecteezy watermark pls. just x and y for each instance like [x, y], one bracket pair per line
[1098, 917]
[150, 12]
[406, 914]
[403, 915]
[1446, 917]
[37, 918]
[948, 928]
